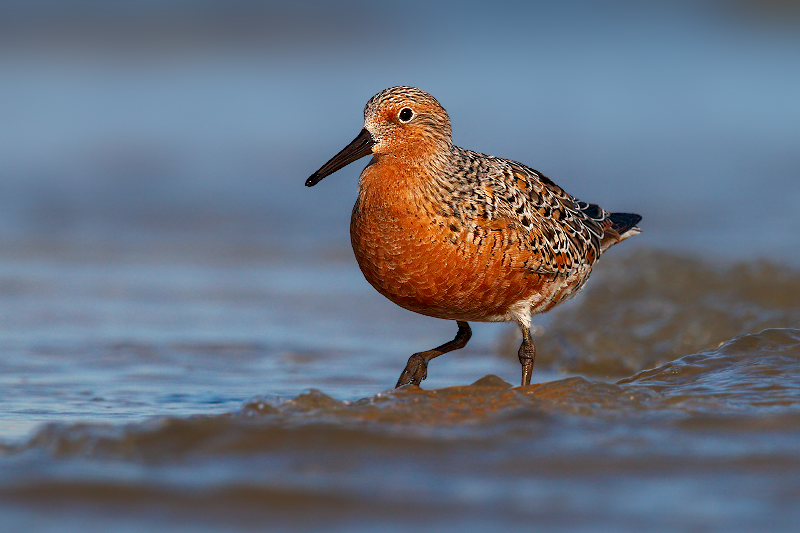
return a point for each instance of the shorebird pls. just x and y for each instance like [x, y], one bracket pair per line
[459, 235]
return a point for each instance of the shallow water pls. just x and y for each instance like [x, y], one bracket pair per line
[208, 396]
[186, 343]
[643, 309]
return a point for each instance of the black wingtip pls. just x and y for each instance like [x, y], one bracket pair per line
[622, 222]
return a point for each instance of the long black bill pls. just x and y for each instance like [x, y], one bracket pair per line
[361, 146]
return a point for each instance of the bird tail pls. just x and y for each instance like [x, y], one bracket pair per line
[623, 225]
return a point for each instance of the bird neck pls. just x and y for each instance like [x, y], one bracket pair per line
[403, 176]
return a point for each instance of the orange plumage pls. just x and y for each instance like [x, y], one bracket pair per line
[454, 234]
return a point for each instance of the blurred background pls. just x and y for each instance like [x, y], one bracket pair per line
[152, 159]
[194, 123]
[169, 289]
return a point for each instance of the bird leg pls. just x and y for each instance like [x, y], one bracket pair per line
[527, 353]
[417, 367]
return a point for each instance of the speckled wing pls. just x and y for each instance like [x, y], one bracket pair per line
[552, 232]
[567, 236]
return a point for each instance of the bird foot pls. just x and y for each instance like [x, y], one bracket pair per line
[416, 370]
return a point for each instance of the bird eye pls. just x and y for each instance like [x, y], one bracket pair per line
[406, 114]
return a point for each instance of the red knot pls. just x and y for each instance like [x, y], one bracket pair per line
[459, 235]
